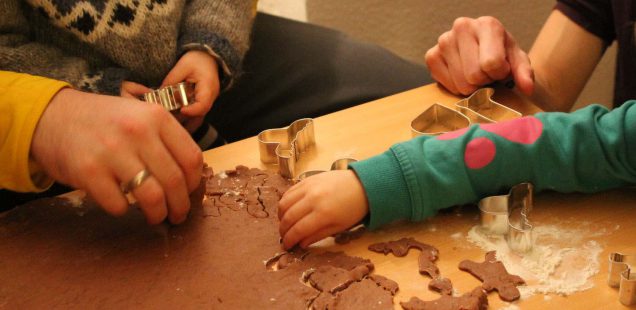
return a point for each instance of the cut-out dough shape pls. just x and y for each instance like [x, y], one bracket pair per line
[494, 276]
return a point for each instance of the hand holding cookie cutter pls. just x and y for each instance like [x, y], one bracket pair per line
[172, 97]
[338, 164]
[621, 275]
[508, 215]
[285, 145]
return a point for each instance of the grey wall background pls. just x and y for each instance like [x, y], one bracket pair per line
[410, 27]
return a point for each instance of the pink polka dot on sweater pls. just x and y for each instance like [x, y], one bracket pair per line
[525, 130]
[479, 153]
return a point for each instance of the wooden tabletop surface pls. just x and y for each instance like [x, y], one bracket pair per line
[363, 131]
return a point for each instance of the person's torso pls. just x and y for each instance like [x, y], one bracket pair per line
[140, 36]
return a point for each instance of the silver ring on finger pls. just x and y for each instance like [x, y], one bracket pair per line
[136, 181]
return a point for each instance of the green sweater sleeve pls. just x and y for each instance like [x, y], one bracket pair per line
[590, 150]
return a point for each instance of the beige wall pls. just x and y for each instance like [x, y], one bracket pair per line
[410, 27]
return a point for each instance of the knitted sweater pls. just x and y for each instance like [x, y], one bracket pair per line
[95, 44]
[590, 150]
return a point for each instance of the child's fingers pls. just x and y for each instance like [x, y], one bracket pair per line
[293, 215]
[296, 187]
[126, 94]
[305, 227]
[133, 90]
[291, 196]
[178, 74]
[206, 90]
[321, 234]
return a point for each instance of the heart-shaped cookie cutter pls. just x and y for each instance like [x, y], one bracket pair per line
[338, 164]
[478, 108]
[508, 215]
[283, 146]
[172, 97]
[436, 120]
[622, 275]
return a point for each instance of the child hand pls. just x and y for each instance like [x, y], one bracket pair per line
[133, 90]
[200, 68]
[321, 206]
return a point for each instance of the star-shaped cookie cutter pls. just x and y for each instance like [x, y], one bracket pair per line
[477, 108]
[283, 146]
[622, 275]
[338, 164]
[507, 215]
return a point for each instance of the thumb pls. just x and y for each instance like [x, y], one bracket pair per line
[133, 90]
[178, 74]
[520, 66]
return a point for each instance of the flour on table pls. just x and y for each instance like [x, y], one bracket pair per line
[510, 307]
[561, 262]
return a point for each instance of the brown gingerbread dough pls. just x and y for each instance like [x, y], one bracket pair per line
[343, 282]
[253, 190]
[333, 279]
[217, 258]
[441, 285]
[494, 276]
[349, 235]
[284, 259]
[364, 294]
[475, 300]
[385, 283]
[401, 247]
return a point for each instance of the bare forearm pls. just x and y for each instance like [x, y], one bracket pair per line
[563, 58]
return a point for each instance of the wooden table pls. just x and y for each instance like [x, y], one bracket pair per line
[368, 129]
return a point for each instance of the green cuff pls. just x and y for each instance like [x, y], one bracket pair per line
[386, 189]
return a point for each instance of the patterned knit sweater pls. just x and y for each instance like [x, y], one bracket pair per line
[95, 44]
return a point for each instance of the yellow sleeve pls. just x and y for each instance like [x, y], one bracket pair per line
[23, 99]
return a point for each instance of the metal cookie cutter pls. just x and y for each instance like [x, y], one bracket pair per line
[284, 145]
[620, 275]
[436, 120]
[508, 215]
[480, 108]
[172, 97]
[338, 164]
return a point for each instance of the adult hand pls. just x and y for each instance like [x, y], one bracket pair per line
[94, 143]
[476, 52]
[200, 68]
[320, 206]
